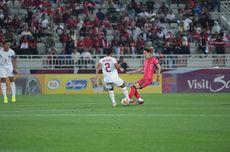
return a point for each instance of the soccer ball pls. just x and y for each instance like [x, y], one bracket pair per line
[125, 102]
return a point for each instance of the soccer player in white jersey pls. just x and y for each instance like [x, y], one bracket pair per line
[109, 67]
[7, 69]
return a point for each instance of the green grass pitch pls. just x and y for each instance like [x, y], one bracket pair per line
[89, 123]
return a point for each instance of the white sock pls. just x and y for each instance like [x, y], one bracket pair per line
[125, 92]
[3, 85]
[112, 97]
[13, 89]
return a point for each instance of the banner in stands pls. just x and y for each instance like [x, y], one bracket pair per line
[206, 80]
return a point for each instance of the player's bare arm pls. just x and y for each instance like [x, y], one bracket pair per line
[117, 66]
[14, 63]
[158, 71]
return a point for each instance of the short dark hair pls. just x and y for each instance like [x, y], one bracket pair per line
[109, 51]
[6, 41]
[149, 49]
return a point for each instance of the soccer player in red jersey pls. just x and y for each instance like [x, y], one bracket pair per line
[148, 68]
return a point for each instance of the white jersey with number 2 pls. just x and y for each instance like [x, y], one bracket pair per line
[109, 70]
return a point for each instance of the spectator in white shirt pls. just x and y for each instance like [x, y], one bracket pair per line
[87, 57]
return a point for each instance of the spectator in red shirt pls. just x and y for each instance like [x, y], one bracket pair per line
[16, 22]
[33, 46]
[1, 35]
[80, 44]
[203, 42]
[140, 44]
[219, 44]
[72, 22]
[88, 42]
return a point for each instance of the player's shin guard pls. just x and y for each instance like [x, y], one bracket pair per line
[3, 86]
[13, 89]
[112, 97]
[126, 93]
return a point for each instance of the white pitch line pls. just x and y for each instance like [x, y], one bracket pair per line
[113, 115]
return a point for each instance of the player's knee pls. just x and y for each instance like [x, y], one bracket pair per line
[123, 85]
[11, 79]
[110, 89]
[3, 80]
[136, 85]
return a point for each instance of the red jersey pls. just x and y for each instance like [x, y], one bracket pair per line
[149, 67]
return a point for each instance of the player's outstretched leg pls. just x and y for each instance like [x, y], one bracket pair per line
[13, 91]
[3, 86]
[112, 97]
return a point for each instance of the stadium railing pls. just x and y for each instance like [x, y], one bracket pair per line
[38, 62]
[225, 14]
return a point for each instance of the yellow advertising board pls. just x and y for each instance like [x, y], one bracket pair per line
[68, 83]
[73, 84]
[87, 83]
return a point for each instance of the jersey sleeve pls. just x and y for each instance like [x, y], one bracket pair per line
[114, 60]
[100, 61]
[13, 54]
[155, 61]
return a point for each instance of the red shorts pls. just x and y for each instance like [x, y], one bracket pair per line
[144, 82]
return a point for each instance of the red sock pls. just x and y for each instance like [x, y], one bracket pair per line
[137, 95]
[132, 92]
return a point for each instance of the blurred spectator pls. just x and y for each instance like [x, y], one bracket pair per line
[219, 44]
[76, 57]
[150, 6]
[87, 57]
[164, 9]
[51, 57]
[123, 64]
[33, 46]
[69, 47]
[216, 28]
[140, 44]
[2, 17]
[1, 35]
[49, 43]
[24, 46]
[44, 21]
[215, 4]
[170, 17]
[16, 22]
[203, 42]
[100, 15]
[80, 45]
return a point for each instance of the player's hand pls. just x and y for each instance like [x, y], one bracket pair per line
[158, 78]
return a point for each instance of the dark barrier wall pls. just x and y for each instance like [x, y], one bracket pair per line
[204, 80]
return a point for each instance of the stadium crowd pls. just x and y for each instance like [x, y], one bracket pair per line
[83, 28]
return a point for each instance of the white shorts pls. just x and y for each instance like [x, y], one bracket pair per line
[6, 72]
[117, 82]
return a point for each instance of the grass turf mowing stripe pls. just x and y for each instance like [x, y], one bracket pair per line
[113, 115]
